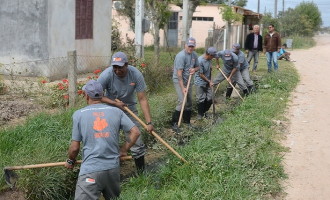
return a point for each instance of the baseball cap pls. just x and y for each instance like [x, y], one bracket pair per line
[191, 42]
[93, 89]
[236, 46]
[212, 51]
[119, 58]
[227, 54]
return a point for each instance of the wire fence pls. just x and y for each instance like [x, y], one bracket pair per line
[31, 77]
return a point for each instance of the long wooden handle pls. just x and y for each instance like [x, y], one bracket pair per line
[51, 164]
[153, 133]
[184, 100]
[213, 105]
[230, 84]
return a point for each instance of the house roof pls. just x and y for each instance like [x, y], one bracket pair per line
[247, 12]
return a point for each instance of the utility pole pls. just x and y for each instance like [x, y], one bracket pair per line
[139, 35]
[185, 9]
[258, 11]
[283, 6]
[275, 9]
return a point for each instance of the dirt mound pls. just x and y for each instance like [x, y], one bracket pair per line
[13, 108]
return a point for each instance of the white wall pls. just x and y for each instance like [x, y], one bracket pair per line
[23, 35]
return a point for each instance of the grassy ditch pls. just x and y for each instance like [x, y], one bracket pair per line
[238, 159]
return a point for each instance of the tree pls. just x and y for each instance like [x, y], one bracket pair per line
[303, 20]
[230, 17]
[240, 3]
[267, 19]
[128, 10]
[158, 12]
[311, 12]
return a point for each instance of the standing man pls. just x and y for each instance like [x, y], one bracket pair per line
[185, 64]
[122, 81]
[204, 82]
[253, 44]
[272, 44]
[230, 69]
[97, 127]
[243, 69]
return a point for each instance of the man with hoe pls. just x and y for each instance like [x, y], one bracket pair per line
[185, 65]
[204, 82]
[124, 82]
[97, 126]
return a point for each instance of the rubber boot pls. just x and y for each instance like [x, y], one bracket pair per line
[208, 105]
[246, 92]
[229, 92]
[175, 117]
[175, 120]
[186, 116]
[251, 89]
[200, 110]
[140, 165]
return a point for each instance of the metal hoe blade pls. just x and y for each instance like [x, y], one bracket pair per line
[10, 177]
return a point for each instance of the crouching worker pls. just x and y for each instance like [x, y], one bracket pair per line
[243, 69]
[97, 127]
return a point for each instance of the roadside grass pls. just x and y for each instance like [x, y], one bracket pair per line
[300, 42]
[238, 159]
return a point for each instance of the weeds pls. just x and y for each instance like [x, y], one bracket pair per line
[238, 159]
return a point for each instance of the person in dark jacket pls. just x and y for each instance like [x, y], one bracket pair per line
[272, 45]
[253, 44]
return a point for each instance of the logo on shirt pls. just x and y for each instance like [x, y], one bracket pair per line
[132, 84]
[99, 125]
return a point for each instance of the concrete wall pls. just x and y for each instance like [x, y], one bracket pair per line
[23, 34]
[44, 30]
[200, 28]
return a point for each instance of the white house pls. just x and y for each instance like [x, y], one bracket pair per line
[206, 19]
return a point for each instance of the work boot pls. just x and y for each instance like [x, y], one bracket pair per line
[251, 89]
[175, 117]
[229, 92]
[208, 105]
[175, 120]
[246, 92]
[139, 163]
[200, 110]
[186, 116]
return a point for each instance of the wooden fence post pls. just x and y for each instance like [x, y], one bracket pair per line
[72, 77]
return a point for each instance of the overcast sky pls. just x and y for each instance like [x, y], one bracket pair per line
[268, 5]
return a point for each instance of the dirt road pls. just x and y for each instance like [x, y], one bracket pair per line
[308, 162]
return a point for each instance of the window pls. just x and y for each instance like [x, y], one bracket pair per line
[84, 19]
[173, 22]
[201, 18]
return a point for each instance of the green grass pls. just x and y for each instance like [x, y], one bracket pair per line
[238, 159]
[300, 42]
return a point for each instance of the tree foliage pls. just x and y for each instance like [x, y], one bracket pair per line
[303, 20]
[310, 11]
[229, 15]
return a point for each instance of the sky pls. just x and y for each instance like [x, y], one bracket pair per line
[268, 5]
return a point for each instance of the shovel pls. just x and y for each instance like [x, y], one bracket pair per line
[154, 133]
[11, 177]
